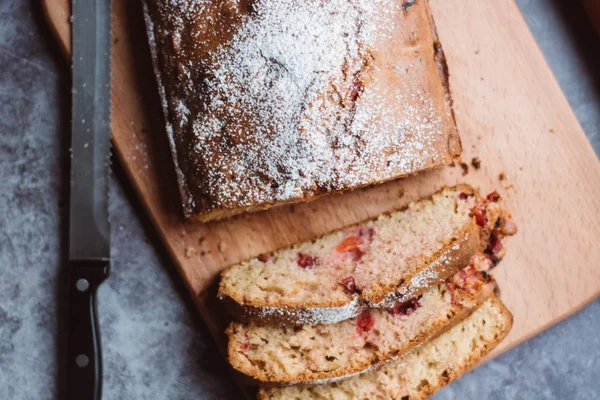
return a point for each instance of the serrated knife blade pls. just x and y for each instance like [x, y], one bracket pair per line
[89, 229]
[90, 131]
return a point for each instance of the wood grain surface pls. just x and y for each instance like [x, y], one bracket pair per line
[511, 114]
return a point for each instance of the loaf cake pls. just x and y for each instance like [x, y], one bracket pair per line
[295, 354]
[269, 102]
[377, 263]
[423, 371]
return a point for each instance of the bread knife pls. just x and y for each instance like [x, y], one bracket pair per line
[89, 229]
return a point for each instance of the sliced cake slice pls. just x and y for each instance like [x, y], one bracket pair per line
[394, 257]
[300, 354]
[423, 371]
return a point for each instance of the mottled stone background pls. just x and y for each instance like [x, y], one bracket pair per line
[155, 345]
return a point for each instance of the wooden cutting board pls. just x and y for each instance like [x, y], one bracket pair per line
[511, 114]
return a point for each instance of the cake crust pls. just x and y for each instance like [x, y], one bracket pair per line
[272, 102]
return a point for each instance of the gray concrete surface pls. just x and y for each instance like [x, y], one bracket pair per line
[155, 346]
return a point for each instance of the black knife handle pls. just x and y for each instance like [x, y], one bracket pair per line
[84, 356]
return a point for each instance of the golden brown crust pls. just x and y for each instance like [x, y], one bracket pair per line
[185, 48]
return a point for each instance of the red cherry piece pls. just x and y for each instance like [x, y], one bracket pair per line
[406, 308]
[306, 260]
[350, 284]
[264, 257]
[494, 196]
[364, 322]
[479, 212]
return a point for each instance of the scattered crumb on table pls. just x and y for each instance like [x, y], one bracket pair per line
[465, 168]
[189, 252]
[502, 176]
[476, 162]
[222, 247]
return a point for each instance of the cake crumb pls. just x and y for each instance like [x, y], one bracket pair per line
[479, 137]
[551, 130]
[520, 168]
[189, 252]
[222, 247]
[476, 162]
[465, 168]
[502, 176]
[477, 51]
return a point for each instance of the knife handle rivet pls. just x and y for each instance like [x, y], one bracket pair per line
[82, 285]
[82, 360]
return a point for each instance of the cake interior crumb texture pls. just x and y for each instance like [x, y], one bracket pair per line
[278, 101]
[423, 371]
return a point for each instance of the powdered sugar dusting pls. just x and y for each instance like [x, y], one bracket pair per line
[297, 315]
[289, 99]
